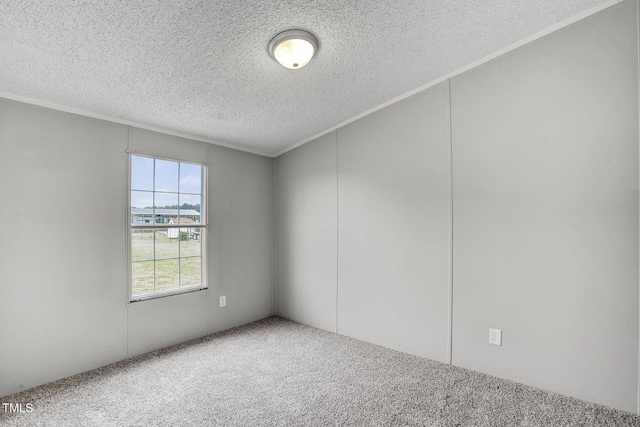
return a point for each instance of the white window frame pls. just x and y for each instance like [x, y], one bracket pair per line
[204, 281]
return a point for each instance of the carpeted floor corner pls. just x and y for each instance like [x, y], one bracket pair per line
[279, 373]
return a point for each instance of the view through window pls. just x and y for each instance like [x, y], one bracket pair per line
[168, 226]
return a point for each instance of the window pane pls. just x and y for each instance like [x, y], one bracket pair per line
[189, 272]
[167, 243]
[166, 208]
[141, 278]
[190, 208]
[141, 245]
[167, 275]
[141, 173]
[141, 207]
[190, 178]
[166, 178]
[190, 244]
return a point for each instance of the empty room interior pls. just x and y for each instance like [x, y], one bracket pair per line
[451, 182]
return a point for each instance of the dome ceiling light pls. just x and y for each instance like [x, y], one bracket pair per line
[293, 48]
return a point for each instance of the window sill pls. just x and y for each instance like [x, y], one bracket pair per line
[149, 297]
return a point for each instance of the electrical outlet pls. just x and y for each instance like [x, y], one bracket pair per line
[223, 301]
[495, 336]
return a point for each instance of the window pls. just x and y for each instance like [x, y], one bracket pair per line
[167, 227]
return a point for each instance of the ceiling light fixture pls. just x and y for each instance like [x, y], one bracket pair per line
[293, 48]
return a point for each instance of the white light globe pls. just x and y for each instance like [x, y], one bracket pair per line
[294, 48]
[294, 53]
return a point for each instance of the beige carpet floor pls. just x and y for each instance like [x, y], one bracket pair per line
[279, 373]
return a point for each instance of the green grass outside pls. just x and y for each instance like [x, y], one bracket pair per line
[171, 272]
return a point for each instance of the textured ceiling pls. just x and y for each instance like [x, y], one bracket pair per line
[202, 67]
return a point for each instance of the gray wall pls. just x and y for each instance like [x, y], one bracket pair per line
[62, 278]
[394, 226]
[63, 264]
[543, 157]
[306, 237]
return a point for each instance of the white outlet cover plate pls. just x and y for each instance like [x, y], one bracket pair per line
[495, 336]
[223, 301]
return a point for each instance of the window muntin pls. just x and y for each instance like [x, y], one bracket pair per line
[167, 226]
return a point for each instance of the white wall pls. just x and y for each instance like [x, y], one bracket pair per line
[544, 168]
[63, 264]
